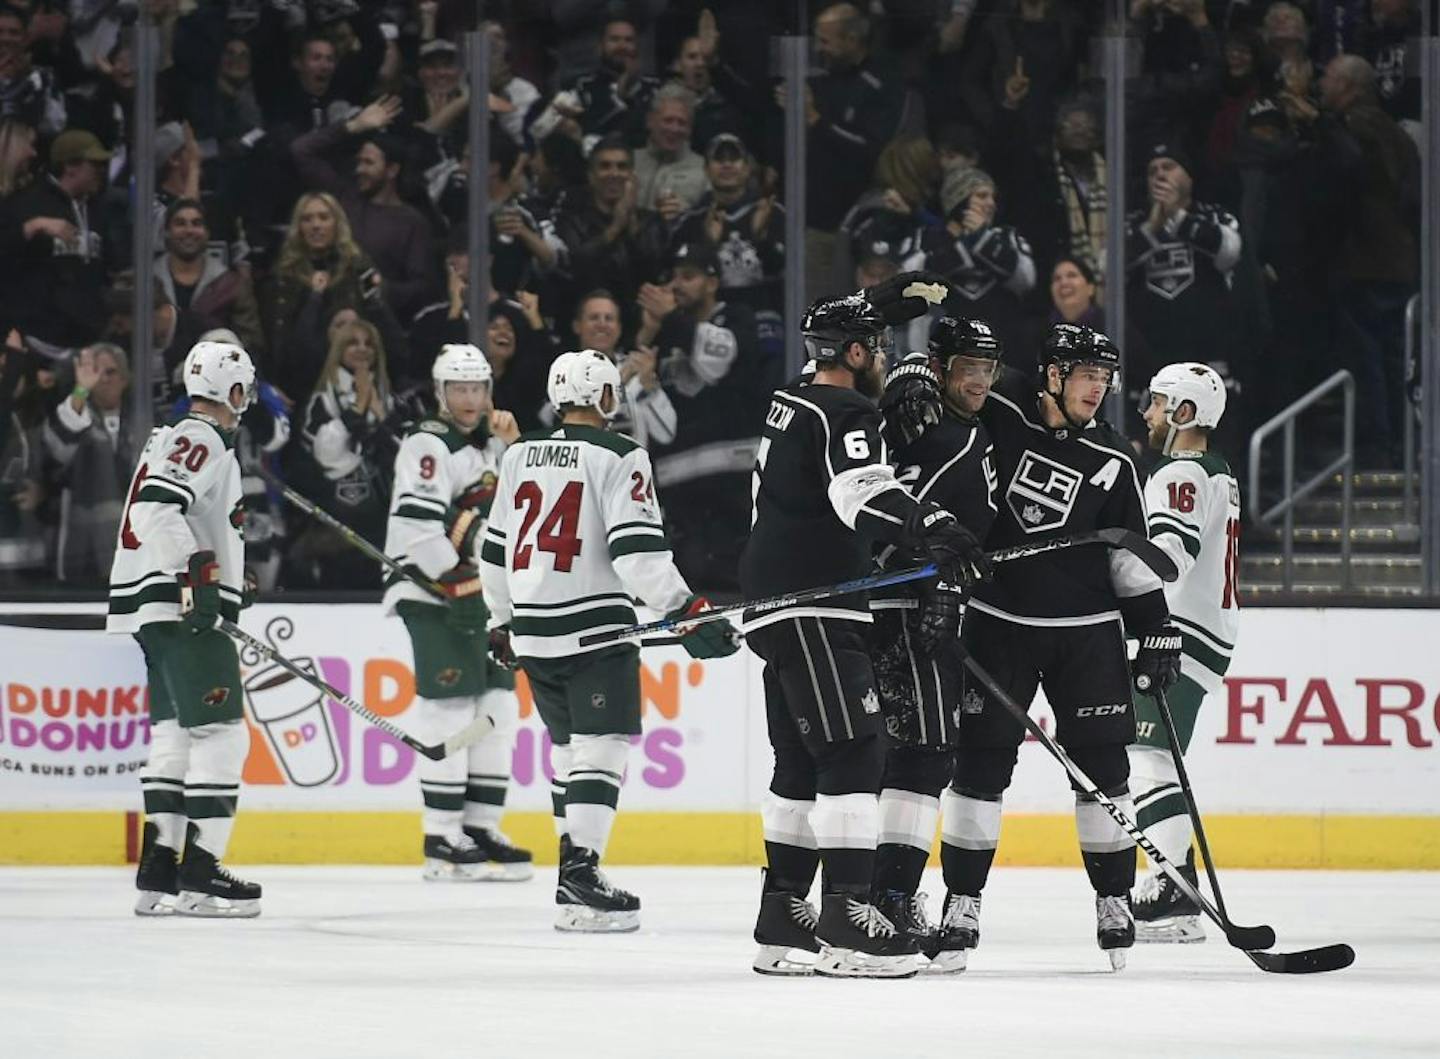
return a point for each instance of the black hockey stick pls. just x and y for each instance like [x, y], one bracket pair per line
[320, 515]
[471, 733]
[1136, 544]
[1326, 958]
[1247, 939]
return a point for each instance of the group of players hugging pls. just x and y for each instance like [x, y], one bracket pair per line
[516, 551]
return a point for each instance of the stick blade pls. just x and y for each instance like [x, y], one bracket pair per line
[1140, 546]
[471, 734]
[1250, 938]
[1307, 961]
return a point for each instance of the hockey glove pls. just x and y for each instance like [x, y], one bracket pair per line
[712, 639]
[937, 622]
[200, 592]
[903, 297]
[500, 650]
[1157, 663]
[911, 403]
[466, 613]
[251, 590]
[934, 533]
[462, 526]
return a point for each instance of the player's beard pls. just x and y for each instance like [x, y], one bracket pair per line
[871, 381]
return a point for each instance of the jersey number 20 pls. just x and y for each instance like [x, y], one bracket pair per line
[557, 533]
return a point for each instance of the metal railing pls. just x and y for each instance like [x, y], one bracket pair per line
[1291, 494]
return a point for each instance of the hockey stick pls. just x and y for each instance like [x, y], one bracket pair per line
[1328, 958]
[1247, 939]
[320, 515]
[471, 733]
[1136, 543]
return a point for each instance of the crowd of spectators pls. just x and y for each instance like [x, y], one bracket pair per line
[311, 169]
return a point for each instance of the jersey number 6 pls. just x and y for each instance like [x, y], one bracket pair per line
[557, 533]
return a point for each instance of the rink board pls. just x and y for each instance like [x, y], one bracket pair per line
[1318, 752]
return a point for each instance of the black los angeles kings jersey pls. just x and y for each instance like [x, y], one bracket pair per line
[1057, 483]
[823, 494]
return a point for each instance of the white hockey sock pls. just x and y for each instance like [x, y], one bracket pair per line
[212, 781]
[787, 821]
[846, 821]
[907, 818]
[597, 768]
[163, 782]
[442, 783]
[1098, 833]
[560, 767]
[489, 762]
[1160, 803]
[969, 823]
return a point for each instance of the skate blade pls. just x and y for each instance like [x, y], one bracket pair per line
[580, 919]
[851, 963]
[1175, 930]
[155, 904]
[783, 962]
[208, 906]
[1117, 958]
[952, 961]
[484, 871]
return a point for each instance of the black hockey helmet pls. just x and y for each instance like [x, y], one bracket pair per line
[958, 336]
[831, 324]
[1068, 345]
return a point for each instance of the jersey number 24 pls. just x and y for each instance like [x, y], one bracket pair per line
[558, 532]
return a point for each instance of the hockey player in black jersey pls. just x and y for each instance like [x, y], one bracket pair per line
[1057, 620]
[912, 639]
[824, 492]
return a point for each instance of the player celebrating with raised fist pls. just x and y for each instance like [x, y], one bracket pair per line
[574, 538]
[179, 568]
[445, 474]
[1194, 505]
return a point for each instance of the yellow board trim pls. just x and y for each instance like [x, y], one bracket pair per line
[1029, 840]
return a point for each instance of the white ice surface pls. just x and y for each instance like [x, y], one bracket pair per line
[357, 962]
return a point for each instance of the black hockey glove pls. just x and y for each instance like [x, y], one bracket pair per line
[712, 639]
[200, 592]
[936, 535]
[466, 613]
[1157, 663]
[912, 402]
[904, 296]
[938, 620]
[500, 650]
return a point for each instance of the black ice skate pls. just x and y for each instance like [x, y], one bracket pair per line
[208, 889]
[785, 932]
[959, 932]
[157, 876]
[453, 859]
[1114, 927]
[589, 902]
[503, 860]
[856, 941]
[1164, 912]
[907, 912]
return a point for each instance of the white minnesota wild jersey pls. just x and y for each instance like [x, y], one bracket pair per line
[574, 539]
[185, 497]
[435, 466]
[1193, 502]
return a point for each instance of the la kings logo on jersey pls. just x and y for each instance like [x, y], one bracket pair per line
[1042, 493]
[1170, 270]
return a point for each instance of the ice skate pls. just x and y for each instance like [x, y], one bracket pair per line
[157, 876]
[785, 931]
[453, 859]
[907, 912]
[503, 860]
[1164, 912]
[958, 933]
[856, 941]
[589, 902]
[207, 888]
[1114, 927]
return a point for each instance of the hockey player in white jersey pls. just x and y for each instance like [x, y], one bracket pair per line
[574, 537]
[179, 568]
[1194, 514]
[445, 475]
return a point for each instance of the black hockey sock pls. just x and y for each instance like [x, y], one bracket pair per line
[1112, 874]
[848, 870]
[898, 867]
[965, 869]
[792, 868]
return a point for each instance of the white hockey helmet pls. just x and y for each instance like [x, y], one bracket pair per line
[1199, 384]
[579, 378]
[459, 362]
[213, 369]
